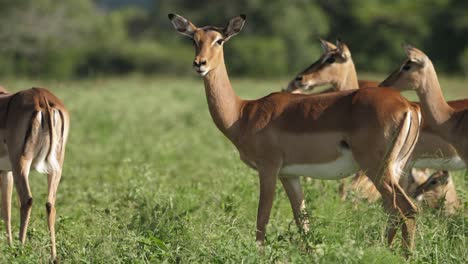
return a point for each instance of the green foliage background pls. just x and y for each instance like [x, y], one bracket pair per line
[68, 38]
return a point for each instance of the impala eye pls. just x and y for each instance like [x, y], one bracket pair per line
[433, 182]
[330, 60]
[220, 41]
[406, 67]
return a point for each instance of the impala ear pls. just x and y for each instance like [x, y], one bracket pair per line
[326, 46]
[234, 26]
[343, 49]
[418, 176]
[415, 55]
[182, 25]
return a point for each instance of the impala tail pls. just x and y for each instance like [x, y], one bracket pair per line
[401, 148]
[414, 119]
[45, 137]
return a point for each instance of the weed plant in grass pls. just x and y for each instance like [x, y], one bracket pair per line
[148, 178]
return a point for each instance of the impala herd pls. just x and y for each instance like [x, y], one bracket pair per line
[360, 127]
[356, 127]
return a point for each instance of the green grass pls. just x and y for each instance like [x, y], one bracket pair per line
[149, 178]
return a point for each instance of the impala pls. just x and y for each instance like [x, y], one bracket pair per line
[326, 136]
[336, 67]
[34, 128]
[418, 73]
[437, 191]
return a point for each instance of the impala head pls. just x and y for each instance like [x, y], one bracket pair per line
[208, 41]
[410, 75]
[432, 189]
[329, 68]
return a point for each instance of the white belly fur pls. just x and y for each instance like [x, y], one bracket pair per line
[340, 168]
[455, 163]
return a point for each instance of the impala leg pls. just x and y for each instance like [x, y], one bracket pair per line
[407, 217]
[400, 208]
[21, 173]
[7, 189]
[292, 186]
[267, 194]
[393, 223]
[53, 182]
[408, 211]
[342, 190]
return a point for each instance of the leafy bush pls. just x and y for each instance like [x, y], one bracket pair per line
[256, 56]
[464, 61]
[143, 56]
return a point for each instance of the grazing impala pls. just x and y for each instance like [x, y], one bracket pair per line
[33, 128]
[326, 136]
[336, 67]
[436, 190]
[418, 73]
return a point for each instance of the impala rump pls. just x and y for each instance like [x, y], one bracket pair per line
[43, 134]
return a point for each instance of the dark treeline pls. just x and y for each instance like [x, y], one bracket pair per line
[69, 38]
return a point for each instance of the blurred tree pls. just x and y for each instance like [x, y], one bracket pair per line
[373, 33]
[82, 38]
[296, 23]
[34, 32]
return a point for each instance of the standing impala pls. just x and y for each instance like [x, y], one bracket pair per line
[417, 73]
[336, 67]
[327, 136]
[33, 128]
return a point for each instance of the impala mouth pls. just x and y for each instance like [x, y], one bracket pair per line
[302, 85]
[420, 197]
[201, 72]
[295, 87]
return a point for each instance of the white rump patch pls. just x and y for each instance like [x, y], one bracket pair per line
[342, 167]
[397, 166]
[41, 162]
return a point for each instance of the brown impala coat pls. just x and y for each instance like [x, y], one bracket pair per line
[324, 136]
[34, 127]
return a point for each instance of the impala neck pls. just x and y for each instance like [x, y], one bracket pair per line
[223, 103]
[435, 110]
[350, 80]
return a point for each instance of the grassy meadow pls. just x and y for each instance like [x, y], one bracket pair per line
[148, 178]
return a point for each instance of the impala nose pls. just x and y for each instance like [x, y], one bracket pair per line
[200, 63]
